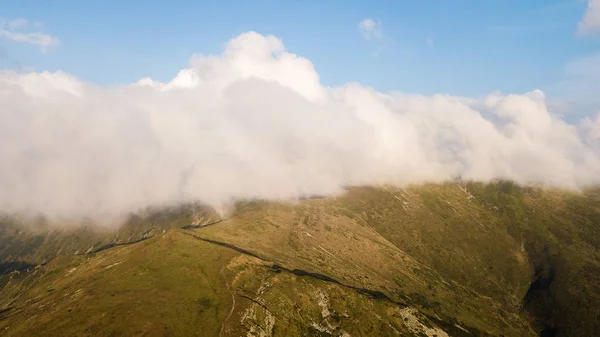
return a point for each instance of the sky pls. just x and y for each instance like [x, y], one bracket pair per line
[460, 47]
[109, 106]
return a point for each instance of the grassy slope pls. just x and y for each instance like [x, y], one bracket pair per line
[463, 255]
[561, 234]
[165, 284]
[175, 284]
[38, 241]
[366, 239]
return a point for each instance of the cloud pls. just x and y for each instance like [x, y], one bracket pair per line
[591, 19]
[370, 29]
[20, 30]
[592, 126]
[430, 42]
[577, 92]
[17, 24]
[255, 122]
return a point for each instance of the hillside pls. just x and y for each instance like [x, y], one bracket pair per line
[451, 259]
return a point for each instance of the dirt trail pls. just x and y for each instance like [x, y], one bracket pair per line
[232, 301]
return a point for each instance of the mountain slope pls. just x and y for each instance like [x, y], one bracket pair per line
[437, 259]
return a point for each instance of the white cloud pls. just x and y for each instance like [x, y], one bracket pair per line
[591, 19]
[20, 30]
[370, 28]
[17, 24]
[256, 122]
[577, 92]
[592, 128]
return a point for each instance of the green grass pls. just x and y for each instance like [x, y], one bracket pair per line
[129, 290]
[462, 254]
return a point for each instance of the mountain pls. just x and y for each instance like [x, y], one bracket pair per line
[454, 259]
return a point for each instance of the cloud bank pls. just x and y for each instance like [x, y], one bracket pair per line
[256, 122]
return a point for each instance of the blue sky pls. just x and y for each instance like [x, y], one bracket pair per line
[457, 47]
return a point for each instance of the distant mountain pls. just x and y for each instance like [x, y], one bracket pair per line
[456, 259]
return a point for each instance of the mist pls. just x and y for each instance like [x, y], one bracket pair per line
[255, 122]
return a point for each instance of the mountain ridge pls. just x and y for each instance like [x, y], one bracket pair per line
[493, 259]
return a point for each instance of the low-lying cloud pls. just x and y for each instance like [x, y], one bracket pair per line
[256, 122]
